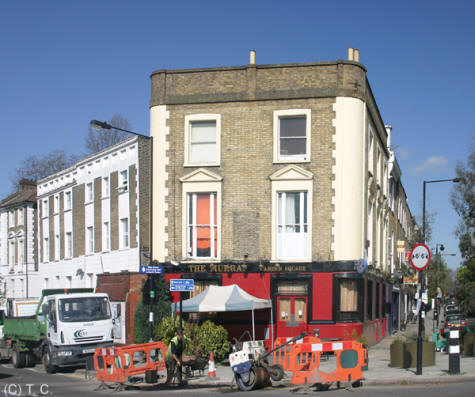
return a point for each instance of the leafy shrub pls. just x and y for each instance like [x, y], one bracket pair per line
[213, 338]
[206, 337]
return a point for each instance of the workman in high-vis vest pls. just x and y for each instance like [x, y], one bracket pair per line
[173, 357]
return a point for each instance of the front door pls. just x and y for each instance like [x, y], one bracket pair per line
[291, 315]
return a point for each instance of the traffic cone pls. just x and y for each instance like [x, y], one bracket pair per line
[211, 367]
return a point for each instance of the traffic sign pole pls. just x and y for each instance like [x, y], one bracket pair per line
[420, 259]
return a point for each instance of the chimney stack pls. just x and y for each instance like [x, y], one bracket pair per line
[357, 55]
[252, 57]
[350, 53]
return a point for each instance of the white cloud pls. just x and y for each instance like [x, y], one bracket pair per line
[403, 152]
[432, 164]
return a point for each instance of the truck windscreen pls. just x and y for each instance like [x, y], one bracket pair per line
[84, 309]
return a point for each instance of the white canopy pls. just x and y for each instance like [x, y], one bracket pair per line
[229, 298]
[223, 299]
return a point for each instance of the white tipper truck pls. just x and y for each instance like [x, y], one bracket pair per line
[66, 328]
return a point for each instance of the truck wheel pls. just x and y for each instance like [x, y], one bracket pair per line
[49, 368]
[18, 357]
[29, 360]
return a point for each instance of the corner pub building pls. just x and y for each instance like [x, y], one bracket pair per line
[277, 178]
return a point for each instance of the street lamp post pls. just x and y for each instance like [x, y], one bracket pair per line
[99, 125]
[421, 279]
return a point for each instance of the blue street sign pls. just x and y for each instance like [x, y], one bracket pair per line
[182, 284]
[150, 269]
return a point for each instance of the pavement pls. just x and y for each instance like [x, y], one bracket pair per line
[379, 372]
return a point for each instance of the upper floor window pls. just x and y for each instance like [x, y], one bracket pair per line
[292, 225]
[45, 207]
[67, 200]
[124, 180]
[370, 150]
[202, 139]
[12, 256]
[11, 220]
[105, 186]
[106, 237]
[56, 247]
[292, 214]
[90, 240]
[21, 216]
[202, 233]
[46, 249]
[292, 132]
[69, 245]
[56, 204]
[21, 254]
[124, 226]
[89, 193]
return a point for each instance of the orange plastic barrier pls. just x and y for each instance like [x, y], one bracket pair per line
[115, 364]
[282, 356]
[305, 362]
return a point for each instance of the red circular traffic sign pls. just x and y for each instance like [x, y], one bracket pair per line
[420, 256]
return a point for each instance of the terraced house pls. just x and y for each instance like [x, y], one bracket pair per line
[93, 226]
[18, 253]
[275, 177]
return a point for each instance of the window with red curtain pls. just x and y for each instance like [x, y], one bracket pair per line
[202, 225]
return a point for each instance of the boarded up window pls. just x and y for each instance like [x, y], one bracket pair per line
[284, 309]
[292, 288]
[301, 309]
[348, 296]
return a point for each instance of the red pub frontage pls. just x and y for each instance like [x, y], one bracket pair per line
[329, 296]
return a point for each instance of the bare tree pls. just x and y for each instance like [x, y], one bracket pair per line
[99, 140]
[38, 167]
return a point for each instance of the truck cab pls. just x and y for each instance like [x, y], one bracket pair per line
[75, 325]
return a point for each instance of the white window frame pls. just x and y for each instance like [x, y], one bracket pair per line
[201, 181]
[45, 207]
[89, 193]
[90, 240]
[56, 247]
[105, 187]
[123, 181]
[106, 242]
[281, 228]
[11, 253]
[67, 200]
[11, 220]
[292, 179]
[46, 249]
[68, 245]
[278, 114]
[56, 204]
[21, 254]
[21, 216]
[189, 119]
[124, 233]
[191, 223]
[370, 149]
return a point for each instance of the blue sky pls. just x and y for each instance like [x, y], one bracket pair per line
[63, 63]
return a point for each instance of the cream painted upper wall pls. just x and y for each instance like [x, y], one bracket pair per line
[159, 131]
[348, 184]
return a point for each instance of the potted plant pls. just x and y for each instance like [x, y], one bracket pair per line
[410, 352]
[396, 352]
